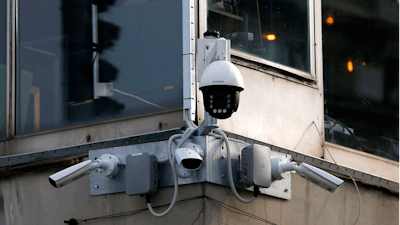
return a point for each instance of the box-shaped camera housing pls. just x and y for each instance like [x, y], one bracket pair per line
[256, 166]
[141, 174]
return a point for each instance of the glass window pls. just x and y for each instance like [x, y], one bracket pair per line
[274, 30]
[3, 62]
[82, 61]
[361, 75]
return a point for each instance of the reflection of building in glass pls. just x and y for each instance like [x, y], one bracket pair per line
[363, 93]
[252, 25]
[66, 49]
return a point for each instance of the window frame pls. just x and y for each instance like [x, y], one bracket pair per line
[10, 67]
[311, 76]
[12, 41]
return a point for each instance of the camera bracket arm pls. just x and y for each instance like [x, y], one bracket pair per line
[207, 125]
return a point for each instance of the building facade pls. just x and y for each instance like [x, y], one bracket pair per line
[321, 84]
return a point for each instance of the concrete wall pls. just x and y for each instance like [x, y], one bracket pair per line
[309, 205]
[30, 199]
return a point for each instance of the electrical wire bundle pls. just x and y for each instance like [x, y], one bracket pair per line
[171, 158]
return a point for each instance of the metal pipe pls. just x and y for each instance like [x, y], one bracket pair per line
[95, 50]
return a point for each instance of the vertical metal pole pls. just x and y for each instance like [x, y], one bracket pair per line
[95, 51]
[259, 24]
[12, 39]
[8, 63]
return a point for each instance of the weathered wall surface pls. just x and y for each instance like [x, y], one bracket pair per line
[30, 199]
[366, 162]
[310, 205]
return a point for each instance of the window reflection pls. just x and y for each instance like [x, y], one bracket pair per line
[274, 30]
[3, 62]
[60, 61]
[361, 75]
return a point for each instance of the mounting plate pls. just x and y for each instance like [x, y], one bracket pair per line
[214, 169]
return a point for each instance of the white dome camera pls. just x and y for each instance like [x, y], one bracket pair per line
[190, 156]
[221, 82]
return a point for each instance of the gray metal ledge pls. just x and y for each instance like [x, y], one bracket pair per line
[49, 156]
[325, 165]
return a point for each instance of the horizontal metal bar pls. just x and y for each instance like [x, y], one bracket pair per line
[326, 165]
[6, 162]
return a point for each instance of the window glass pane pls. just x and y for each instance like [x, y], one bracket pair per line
[361, 74]
[66, 45]
[274, 30]
[3, 61]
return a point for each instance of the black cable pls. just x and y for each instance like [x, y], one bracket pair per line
[241, 212]
[256, 191]
[198, 216]
[71, 221]
[244, 214]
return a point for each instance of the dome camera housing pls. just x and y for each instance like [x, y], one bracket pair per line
[190, 157]
[221, 84]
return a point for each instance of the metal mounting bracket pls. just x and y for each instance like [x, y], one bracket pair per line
[214, 169]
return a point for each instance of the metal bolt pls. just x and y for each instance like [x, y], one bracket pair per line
[96, 186]
[222, 175]
[207, 47]
[223, 156]
[286, 190]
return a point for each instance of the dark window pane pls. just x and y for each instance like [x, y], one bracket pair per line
[361, 74]
[67, 46]
[274, 30]
[3, 61]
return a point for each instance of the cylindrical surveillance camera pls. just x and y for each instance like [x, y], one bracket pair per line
[107, 164]
[280, 168]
